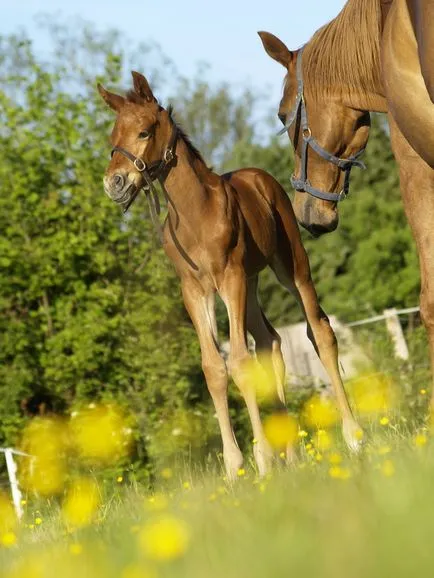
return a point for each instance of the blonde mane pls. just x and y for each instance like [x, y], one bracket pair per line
[345, 53]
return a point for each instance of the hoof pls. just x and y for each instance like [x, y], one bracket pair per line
[353, 436]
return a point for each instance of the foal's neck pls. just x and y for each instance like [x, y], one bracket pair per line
[343, 57]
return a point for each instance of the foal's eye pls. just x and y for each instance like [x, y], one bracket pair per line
[145, 134]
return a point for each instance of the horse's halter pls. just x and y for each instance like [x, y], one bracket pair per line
[302, 183]
[156, 170]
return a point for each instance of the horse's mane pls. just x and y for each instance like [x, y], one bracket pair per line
[346, 52]
[132, 96]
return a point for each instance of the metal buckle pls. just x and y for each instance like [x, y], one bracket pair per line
[168, 156]
[140, 167]
[342, 196]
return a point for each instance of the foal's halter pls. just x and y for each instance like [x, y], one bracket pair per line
[157, 170]
[302, 183]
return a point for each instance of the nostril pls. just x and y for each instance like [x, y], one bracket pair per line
[118, 181]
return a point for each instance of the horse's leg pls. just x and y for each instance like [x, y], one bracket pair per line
[417, 189]
[291, 266]
[268, 340]
[233, 290]
[200, 306]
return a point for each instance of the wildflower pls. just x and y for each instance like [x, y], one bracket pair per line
[422, 392]
[323, 440]
[81, 503]
[8, 539]
[335, 459]
[387, 468]
[38, 520]
[164, 539]
[157, 502]
[282, 455]
[99, 434]
[339, 473]
[420, 440]
[384, 420]
[23, 502]
[119, 479]
[320, 413]
[186, 486]
[280, 429]
[241, 472]
[373, 394]
[76, 549]
[302, 433]
[261, 377]
[254, 441]
[166, 474]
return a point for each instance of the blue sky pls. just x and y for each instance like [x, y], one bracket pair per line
[221, 33]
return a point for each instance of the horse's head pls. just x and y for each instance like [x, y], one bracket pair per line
[142, 140]
[327, 137]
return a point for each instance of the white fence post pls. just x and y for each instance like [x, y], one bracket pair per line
[394, 328]
[12, 473]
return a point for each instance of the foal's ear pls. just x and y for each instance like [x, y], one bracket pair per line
[114, 101]
[276, 48]
[141, 86]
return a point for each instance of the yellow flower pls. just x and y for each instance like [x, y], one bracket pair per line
[157, 502]
[8, 519]
[259, 374]
[320, 413]
[282, 455]
[323, 440]
[302, 433]
[99, 433]
[387, 468]
[280, 430]
[241, 472]
[384, 420]
[373, 393]
[8, 539]
[186, 486]
[422, 392]
[164, 539]
[76, 549]
[335, 459]
[420, 439]
[119, 479]
[339, 473]
[166, 474]
[136, 571]
[81, 503]
[38, 520]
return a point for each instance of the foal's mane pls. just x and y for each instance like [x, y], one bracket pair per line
[345, 53]
[132, 96]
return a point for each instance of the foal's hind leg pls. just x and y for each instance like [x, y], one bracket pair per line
[200, 306]
[233, 291]
[268, 340]
[296, 277]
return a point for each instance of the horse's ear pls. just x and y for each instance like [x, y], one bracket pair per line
[141, 86]
[276, 48]
[114, 101]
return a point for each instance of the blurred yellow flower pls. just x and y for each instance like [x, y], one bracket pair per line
[323, 440]
[46, 440]
[136, 571]
[261, 377]
[280, 430]
[339, 473]
[38, 520]
[157, 503]
[8, 539]
[302, 433]
[384, 420]
[320, 413]
[119, 479]
[100, 433]
[186, 486]
[420, 439]
[373, 393]
[166, 474]
[422, 392]
[241, 472]
[387, 468]
[81, 503]
[76, 549]
[164, 538]
[8, 519]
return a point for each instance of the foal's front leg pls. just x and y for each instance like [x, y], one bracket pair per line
[200, 306]
[233, 291]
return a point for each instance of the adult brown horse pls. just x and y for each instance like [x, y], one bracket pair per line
[376, 55]
[220, 232]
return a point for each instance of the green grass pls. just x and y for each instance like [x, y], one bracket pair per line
[298, 522]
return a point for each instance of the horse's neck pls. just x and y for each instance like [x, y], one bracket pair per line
[344, 57]
[185, 185]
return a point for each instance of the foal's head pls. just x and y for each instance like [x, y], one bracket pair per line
[339, 129]
[143, 129]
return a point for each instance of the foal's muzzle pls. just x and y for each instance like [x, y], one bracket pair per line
[119, 188]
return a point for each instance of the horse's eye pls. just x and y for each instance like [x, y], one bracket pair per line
[145, 134]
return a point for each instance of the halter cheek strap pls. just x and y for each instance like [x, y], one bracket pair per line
[302, 183]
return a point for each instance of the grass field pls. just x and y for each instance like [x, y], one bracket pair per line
[332, 515]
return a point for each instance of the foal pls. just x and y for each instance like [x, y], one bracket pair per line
[220, 232]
